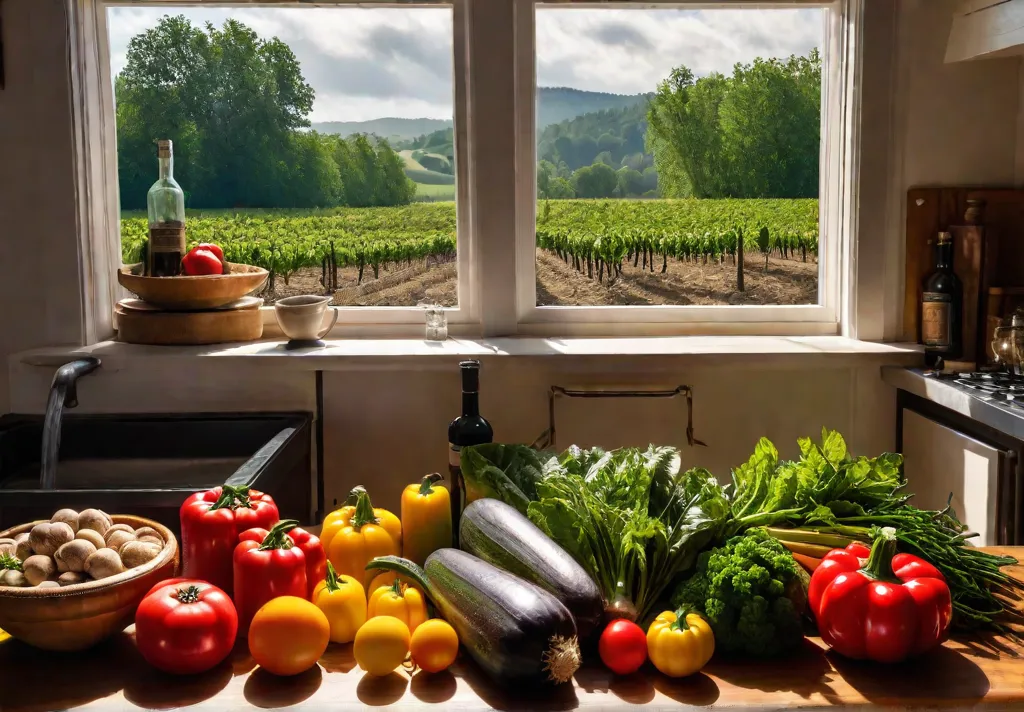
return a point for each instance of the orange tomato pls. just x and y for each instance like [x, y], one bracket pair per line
[434, 645]
[381, 645]
[288, 635]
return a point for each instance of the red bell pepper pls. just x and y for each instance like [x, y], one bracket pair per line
[267, 569]
[316, 557]
[210, 524]
[887, 608]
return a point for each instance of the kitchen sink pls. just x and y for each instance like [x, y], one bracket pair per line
[148, 464]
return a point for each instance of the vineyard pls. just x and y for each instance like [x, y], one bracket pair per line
[596, 238]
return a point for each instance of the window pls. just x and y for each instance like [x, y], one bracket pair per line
[538, 198]
[317, 143]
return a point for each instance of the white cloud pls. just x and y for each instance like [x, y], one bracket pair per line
[367, 63]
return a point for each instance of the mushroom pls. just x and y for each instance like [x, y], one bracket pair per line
[69, 578]
[13, 578]
[118, 538]
[103, 563]
[47, 537]
[94, 519]
[137, 553]
[39, 568]
[91, 536]
[23, 549]
[149, 532]
[48, 584]
[9, 547]
[68, 516]
[72, 556]
[118, 528]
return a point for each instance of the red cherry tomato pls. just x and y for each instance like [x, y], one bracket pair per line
[623, 647]
[215, 249]
[185, 626]
[199, 262]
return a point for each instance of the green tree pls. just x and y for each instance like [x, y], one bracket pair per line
[545, 172]
[314, 180]
[560, 189]
[755, 134]
[394, 187]
[596, 181]
[630, 182]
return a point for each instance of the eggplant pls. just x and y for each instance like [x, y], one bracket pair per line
[499, 534]
[516, 631]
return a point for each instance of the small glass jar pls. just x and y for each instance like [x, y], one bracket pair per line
[437, 322]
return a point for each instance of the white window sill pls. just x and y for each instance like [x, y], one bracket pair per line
[735, 351]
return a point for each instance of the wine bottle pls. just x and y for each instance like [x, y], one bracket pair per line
[470, 428]
[942, 307]
[165, 204]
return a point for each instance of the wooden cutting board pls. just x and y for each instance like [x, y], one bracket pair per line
[142, 323]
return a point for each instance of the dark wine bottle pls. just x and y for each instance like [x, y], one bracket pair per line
[942, 307]
[470, 428]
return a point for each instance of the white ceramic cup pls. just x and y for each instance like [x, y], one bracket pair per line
[300, 317]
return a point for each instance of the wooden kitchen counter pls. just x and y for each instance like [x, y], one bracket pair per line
[976, 672]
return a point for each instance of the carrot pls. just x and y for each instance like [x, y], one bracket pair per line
[810, 563]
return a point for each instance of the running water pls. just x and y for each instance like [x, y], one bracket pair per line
[63, 393]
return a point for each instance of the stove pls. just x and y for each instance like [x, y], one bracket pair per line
[996, 387]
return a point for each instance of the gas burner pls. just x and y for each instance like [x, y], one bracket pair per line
[997, 387]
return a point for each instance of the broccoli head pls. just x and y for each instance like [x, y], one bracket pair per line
[751, 592]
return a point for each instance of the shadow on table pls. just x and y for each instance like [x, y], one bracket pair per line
[338, 658]
[269, 691]
[433, 687]
[804, 672]
[636, 689]
[697, 689]
[943, 677]
[63, 680]
[541, 697]
[149, 688]
[381, 691]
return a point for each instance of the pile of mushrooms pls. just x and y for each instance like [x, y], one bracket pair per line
[74, 547]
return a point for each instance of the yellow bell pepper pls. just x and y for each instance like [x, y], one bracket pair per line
[402, 602]
[342, 517]
[427, 518]
[361, 540]
[343, 601]
[680, 644]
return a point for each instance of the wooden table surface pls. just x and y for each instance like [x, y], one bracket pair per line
[980, 672]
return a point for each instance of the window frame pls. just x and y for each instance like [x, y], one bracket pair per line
[494, 69]
[837, 176]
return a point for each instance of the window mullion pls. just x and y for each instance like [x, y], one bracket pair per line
[492, 157]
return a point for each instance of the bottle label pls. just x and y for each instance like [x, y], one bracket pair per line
[936, 324]
[454, 456]
[167, 237]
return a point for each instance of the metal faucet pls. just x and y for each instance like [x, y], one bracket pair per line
[63, 394]
[66, 378]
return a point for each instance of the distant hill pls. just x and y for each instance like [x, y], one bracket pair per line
[390, 128]
[554, 105]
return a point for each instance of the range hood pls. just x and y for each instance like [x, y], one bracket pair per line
[984, 29]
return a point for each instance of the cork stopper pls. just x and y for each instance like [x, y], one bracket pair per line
[163, 148]
[945, 238]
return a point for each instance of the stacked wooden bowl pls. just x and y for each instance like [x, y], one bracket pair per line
[209, 309]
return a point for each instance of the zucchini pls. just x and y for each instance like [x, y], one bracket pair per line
[499, 534]
[517, 632]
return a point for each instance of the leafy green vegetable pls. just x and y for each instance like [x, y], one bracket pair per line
[628, 516]
[751, 592]
[830, 492]
[506, 472]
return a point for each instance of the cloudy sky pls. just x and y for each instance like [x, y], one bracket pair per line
[371, 63]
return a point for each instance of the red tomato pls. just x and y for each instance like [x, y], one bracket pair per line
[184, 626]
[215, 249]
[623, 647]
[200, 262]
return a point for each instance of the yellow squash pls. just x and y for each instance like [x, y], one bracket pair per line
[361, 540]
[343, 601]
[680, 644]
[342, 517]
[426, 518]
[398, 601]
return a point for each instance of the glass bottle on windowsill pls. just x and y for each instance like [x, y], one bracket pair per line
[942, 308]
[165, 204]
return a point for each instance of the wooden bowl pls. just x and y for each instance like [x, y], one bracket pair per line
[81, 615]
[193, 293]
